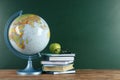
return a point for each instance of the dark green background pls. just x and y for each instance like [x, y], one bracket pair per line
[90, 28]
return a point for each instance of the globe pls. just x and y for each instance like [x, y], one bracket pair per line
[29, 34]
[26, 35]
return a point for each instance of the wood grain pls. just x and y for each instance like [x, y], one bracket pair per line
[81, 74]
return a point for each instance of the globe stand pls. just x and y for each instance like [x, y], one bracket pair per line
[29, 70]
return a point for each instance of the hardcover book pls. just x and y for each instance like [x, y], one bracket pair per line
[61, 72]
[58, 68]
[72, 55]
[51, 58]
[56, 62]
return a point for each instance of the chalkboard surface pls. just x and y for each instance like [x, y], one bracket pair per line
[90, 28]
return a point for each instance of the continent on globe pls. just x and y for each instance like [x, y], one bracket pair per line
[29, 34]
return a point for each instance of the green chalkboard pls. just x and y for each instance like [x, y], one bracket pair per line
[90, 28]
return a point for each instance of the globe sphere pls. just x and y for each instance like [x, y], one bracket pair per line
[29, 34]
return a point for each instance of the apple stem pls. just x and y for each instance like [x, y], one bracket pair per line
[39, 54]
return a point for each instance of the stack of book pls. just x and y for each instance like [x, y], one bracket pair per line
[58, 63]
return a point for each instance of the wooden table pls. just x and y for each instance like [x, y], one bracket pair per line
[82, 74]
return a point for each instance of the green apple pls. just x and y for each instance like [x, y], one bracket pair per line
[55, 48]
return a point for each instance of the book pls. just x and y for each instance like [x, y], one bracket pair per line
[72, 55]
[56, 62]
[62, 72]
[51, 58]
[58, 68]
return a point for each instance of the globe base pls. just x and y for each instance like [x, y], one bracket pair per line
[23, 72]
[29, 70]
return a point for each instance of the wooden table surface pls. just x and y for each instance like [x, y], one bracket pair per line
[81, 74]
